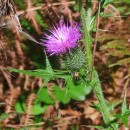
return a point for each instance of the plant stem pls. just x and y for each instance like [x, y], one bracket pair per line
[86, 38]
[99, 94]
[95, 79]
[95, 43]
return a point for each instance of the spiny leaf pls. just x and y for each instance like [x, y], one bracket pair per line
[124, 106]
[38, 73]
[125, 113]
[90, 20]
[104, 3]
[48, 65]
[87, 37]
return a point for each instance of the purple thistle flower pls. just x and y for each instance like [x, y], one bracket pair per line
[62, 38]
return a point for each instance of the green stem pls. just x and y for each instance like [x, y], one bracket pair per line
[99, 94]
[95, 80]
[87, 39]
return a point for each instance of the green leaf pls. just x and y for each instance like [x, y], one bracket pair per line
[87, 36]
[114, 125]
[48, 65]
[47, 74]
[76, 94]
[112, 105]
[124, 117]
[123, 1]
[90, 20]
[44, 96]
[96, 106]
[121, 62]
[62, 95]
[38, 73]
[77, 90]
[38, 109]
[115, 44]
[89, 3]
[98, 127]
[124, 106]
[20, 107]
[85, 88]
[79, 4]
[104, 3]
[74, 90]
[3, 116]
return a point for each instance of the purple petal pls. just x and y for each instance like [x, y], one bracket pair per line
[63, 38]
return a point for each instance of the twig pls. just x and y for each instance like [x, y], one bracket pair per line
[95, 43]
[19, 126]
[43, 5]
[125, 86]
[42, 123]
[7, 78]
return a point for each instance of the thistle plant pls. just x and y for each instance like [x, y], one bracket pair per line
[64, 41]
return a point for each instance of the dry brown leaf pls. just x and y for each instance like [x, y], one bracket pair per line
[31, 15]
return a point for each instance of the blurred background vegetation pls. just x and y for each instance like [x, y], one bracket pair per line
[112, 62]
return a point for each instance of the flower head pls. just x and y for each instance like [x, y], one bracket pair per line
[63, 38]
